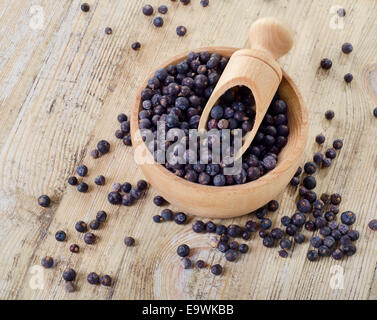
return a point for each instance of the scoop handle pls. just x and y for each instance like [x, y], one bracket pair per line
[270, 36]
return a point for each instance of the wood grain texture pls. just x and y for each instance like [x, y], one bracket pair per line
[61, 88]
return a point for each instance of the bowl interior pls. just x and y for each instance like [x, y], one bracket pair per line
[289, 157]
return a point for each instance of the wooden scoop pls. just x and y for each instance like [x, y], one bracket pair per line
[256, 68]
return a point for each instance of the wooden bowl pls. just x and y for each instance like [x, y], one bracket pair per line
[235, 200]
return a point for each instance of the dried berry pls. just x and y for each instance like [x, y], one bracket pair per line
[251, 226]
[158, 22]
[94, 224]
[349, 249]
[185, 2]
[157, 218]
[204, 3]
[354, 235]
[126, 187]
[283, 253]
[100, 180]
[69, 274]
[89, 238]
[101, 216]
[60, 235]
[285, 244]
[72, 181]
[335, 199]
[312, 255]
[310, 168]
[216, 269]
[299, 238]
[85, 7]
[326, 63]
[309, 182]
[82, 187]
[183, 250]
[373, 224]
[231, 255]
[348, 77]
[81, 226]
[329, 114]
[310, 226]
[181, 31]
[318, 158]
[337, 254]
[158, 201]
[200, 264]
[304, 205]
[341, 12]
[136, 46]
[298, 219]
[234, 230]
[47, 262]
[95, 154]
[106, 280]
[103, 146]
[348, 218]
[320, 138]
[268, 242]
[266, 223]
[291, 230]
[337, 144]
[285, 221]
[198, 226]
[223, 246]
[347, 48]
[162, 9]
[323, 251]
[74, 248]
[147, 10]
[44, 201]
[108, 30]
[93, 278]
[210, 227]
[129, 241]
[114, 197]
[180, 218]
[273, 205]
[343, 229]
[316, 241]
[243, 248]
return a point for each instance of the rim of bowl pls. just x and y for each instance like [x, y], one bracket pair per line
[281, 167]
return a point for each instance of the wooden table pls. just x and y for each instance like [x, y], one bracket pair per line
[62, 83]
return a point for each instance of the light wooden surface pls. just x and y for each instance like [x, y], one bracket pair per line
[61, 88]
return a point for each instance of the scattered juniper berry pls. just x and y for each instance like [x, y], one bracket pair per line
[74, 248]
[47, 262]
[85, 7]
[312, 255]
[373, 225]
[72, 181]
[44, 201]
[129, 241]
[82, 187]
[180, 218]
[216, 269]
[183, 250]
[326, 63]
[60, 235]
[147, 10]
[81, 226]
[89, 238]
[69, 274]
[93, 278]
[348, 218]
[329, 114]
[101, 216]
[320, 138]
[158, 22]
[243, 248]
[106, 280]
[348, 77]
